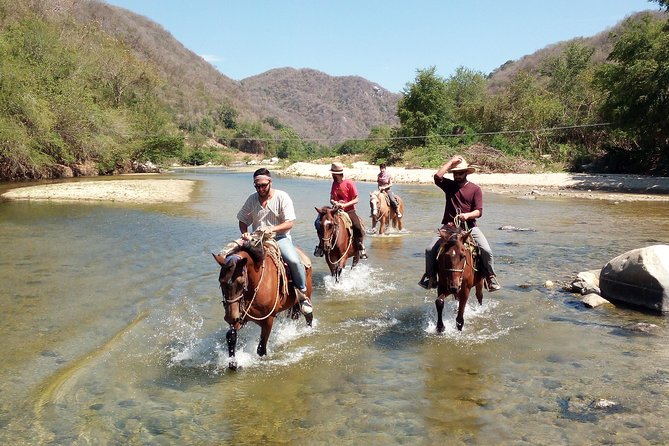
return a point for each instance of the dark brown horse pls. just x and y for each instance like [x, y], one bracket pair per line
[383, 213]
[457, 272]
[253, 283]
[336, 237]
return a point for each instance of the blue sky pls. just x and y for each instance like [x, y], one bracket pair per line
[382, 41]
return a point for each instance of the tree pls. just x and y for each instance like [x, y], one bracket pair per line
[636, 81]
[424, 108]
[466, 90]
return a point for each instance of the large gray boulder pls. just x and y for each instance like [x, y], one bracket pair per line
[639, 277]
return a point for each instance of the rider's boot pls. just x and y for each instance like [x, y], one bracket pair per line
[427, 282]
[493, 284]
[305, 302]
[318, 252]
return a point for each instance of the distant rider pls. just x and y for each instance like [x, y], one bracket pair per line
[385, 182]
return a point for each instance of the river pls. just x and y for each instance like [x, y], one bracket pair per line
[113, 330]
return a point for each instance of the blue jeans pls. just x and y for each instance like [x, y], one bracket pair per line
[292, 258]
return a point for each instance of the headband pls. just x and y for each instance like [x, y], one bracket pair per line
[262, 177]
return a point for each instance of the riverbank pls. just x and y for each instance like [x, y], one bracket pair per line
[124, 191]
[614, 187]
[532, 186]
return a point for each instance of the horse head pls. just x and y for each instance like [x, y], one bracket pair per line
[233, 279]
[454, 255]
[374, 203]
[328, 233]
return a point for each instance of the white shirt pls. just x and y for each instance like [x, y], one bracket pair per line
[279, 209]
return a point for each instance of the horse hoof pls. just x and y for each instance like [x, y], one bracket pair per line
[440, 328]
[232, 365]
[459, 326]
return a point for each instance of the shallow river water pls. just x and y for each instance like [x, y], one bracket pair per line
[112, 330]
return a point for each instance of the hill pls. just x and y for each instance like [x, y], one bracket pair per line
[348, 107]
[317, 105]
[602, 42]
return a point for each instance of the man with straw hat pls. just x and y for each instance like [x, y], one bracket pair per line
[344, 195]
[464, 200]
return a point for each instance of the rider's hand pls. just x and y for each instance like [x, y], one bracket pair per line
[457, 159]
[246, 236]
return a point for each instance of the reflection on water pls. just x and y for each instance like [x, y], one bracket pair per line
[112, 331]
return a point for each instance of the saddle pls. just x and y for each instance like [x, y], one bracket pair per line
[271, 248]
[348, 224]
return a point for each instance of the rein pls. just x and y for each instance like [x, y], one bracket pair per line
[335, 234]
[247, 308]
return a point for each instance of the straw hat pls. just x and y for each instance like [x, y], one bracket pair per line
[337, 168]
[463, 167]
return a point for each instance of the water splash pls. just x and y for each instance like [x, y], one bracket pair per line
[482, 324]
[363, 279]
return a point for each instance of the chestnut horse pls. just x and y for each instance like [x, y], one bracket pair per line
[383, 213]
[457, 272]
[253, 283]
[336, 237]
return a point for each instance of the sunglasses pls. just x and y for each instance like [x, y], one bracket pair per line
[261, 185]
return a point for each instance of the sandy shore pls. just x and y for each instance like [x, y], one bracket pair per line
[126, 191]
[603, 187]
[594, 186]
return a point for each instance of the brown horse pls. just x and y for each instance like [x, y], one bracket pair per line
[253, 283]
[457, 272]
[336, 237]
[383, 212]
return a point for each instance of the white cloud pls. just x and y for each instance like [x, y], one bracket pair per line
[211, 58]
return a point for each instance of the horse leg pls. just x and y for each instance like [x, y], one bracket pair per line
[479, 290]
[440, 308]
[463, 295]
[265, 330]
[231, 339]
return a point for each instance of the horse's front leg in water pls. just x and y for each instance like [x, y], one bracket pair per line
[231, 339]
[265, 330]
[440, 308]
[463, 295]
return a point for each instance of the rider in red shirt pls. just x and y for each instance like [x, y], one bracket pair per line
[344, 195]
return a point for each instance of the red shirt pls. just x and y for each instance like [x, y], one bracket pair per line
[459, 199]
[344, 191]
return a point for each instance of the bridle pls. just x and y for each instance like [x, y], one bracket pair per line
[332, 241]
[246, 308]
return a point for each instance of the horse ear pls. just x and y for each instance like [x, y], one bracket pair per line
[219, 259]
[320, 211]
[242, 262]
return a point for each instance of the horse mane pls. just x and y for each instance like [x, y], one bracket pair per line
[449, 234]
[255, 250]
